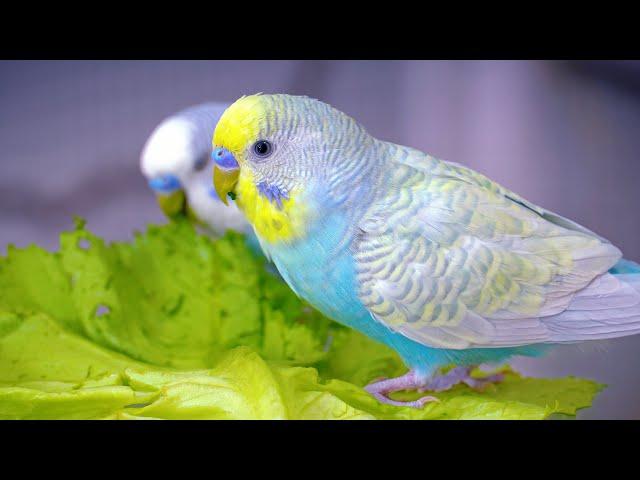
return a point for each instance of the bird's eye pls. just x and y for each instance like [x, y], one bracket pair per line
[262, 148]
[201, 162]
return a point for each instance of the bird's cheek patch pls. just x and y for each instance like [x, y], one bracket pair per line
[273, 193]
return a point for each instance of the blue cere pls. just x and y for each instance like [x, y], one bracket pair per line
[224, 159]
[165, 183]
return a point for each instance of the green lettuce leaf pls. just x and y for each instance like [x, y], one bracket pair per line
[173, 325]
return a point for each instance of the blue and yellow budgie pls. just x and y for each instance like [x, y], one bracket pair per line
[431, 258]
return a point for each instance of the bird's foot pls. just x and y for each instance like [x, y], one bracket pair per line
[409, 381]
[440, 383]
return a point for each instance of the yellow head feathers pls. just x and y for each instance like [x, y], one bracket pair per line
[240, 124]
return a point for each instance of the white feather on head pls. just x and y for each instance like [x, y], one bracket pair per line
[174, 148]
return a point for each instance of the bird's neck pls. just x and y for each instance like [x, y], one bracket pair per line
[273, 222]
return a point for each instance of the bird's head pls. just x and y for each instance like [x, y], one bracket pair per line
[170, 159]
[274, 152]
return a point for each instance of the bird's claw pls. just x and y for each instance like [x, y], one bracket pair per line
[481, 384]
[419, 403]
[380, 388]
[409, 381]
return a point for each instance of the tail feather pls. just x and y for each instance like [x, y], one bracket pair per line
[631, 279]
[627, 271]
[609, 307]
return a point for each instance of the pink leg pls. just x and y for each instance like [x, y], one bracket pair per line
[437, 383]
[481, 383]
[409, 381]
[440, 383]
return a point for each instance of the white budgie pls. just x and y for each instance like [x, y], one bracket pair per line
[176, 160]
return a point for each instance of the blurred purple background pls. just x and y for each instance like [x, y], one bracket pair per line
[565, 135]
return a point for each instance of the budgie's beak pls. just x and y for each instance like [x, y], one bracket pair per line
[225, 173]
[172, 204]
[169, 195]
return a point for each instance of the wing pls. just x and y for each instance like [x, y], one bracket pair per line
[453, 260]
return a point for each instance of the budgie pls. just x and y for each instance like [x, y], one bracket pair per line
[176, 162]
[431, 258]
